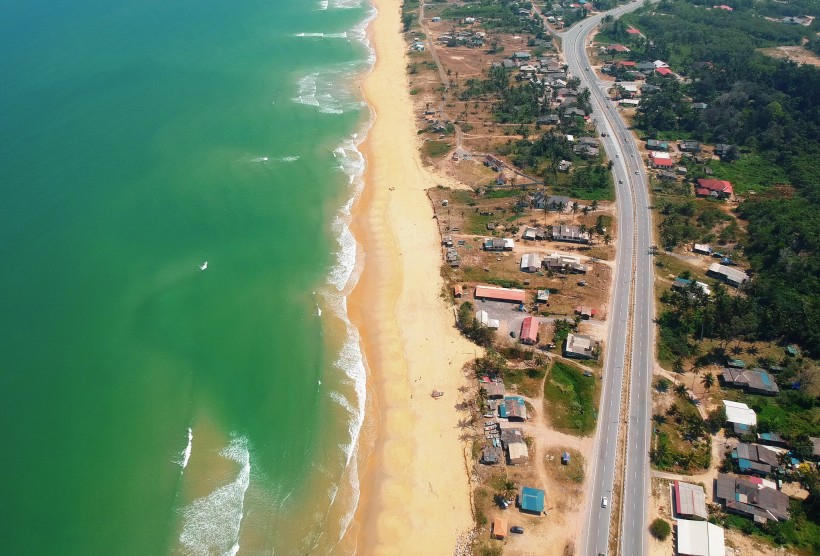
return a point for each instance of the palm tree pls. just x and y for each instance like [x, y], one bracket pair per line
[695, 372]
[594, 206]
[585, 210]
[708, 381]
[508, 489]
[607, 239]
[680, 389]
[574, 207]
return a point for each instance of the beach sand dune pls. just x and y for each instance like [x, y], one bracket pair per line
[415, 489]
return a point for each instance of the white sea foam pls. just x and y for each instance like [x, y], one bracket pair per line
[186, 453]
[323, 4]
[289, 158]
[332, 89]
[346, 4]
[259, 159]
[342, 35]
[212, 524]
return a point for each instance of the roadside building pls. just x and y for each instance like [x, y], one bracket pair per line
[495, 293]
[755, 381]
[579, 346]
[564, 263]
[752, 498]
[529, 331]
[655, 145]
[562, 232]
[689, 146]
[458, 291]
[531, 500]
[699, 538]
[584, 312]
[731, 276]
[683, 283]
[689, 501]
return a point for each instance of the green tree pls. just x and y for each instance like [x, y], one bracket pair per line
[660, 529]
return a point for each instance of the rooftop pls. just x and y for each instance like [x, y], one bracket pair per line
[740, 413]
[700, 538]
[690, 500]
[532, 500]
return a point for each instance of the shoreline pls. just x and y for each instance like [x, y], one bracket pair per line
[413, 479]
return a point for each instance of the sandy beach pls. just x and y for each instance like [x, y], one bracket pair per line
[415, 484]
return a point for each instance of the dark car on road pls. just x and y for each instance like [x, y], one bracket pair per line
[517, 529]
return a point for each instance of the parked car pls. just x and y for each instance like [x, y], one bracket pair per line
[517, 529]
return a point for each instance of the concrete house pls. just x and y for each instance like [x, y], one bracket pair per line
[530, 262]
[689, 501]
[579, 346]
[571, 234]
[755, 459]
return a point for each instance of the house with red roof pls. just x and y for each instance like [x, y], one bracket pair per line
[664, 71]
[710, 187]
[633, 31]
[617, 48]
[662, 163]
[723, 7]
[625, 64]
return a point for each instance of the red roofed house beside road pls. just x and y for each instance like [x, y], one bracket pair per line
[529, 331]
[717, 188]
[664, 71]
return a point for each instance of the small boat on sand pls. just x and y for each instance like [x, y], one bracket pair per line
[437, 394]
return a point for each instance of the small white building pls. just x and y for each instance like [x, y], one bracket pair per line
[740, 413]
[700, 538]
[530, 262]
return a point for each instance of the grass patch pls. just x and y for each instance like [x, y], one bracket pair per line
[526, 381]
[569, 399]
[436, 149]
[501, 193]
[749, 172]
[414, 92]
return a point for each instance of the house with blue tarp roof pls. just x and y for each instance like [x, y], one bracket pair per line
[513, 408]
[531, 500]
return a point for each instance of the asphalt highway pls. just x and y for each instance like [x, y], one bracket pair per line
[633, 245]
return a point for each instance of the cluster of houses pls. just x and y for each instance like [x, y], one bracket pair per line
[555, 262]
[465, 37]
[751, 497]
[631, 70]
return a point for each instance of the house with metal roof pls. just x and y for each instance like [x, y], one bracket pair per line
[513, 409]
[531, 500]
[530, 262]
[689, 500]
[755, 381]
[755, 459]
[500, 294]
[699, 538]
[752, 498]
[732, 276]
[529, 331]
[493, 389]
[517, 453]
[739, 413]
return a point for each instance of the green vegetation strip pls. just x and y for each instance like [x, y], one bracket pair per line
[569, 399]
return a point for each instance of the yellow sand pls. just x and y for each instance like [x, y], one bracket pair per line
[415, 490]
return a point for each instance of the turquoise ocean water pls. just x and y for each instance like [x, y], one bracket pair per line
[149, 406]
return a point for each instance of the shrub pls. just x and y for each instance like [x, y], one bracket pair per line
[660, 529]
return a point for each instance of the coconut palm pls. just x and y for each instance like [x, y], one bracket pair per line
[508, 489]
[708, 381]
[594, 206]
[575, 207]
[607, 239]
